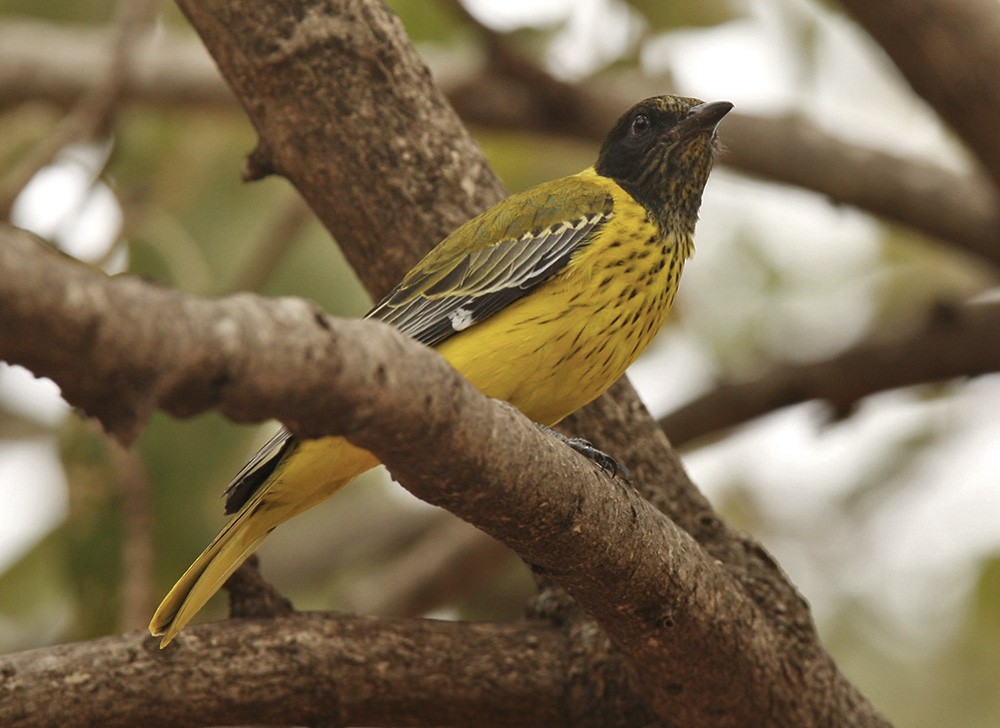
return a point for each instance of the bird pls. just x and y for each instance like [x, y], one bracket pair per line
[543, 300]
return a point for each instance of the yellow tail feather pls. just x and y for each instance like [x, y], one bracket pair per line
[319, 469]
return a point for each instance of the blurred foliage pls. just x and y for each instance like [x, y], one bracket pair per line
[59, 11]
[36, 597]
[93, 531]
[190, 223]
[921, 272]
[952, 683]
[524, 160]
[429, 22]
[24, 126]
[667, 15]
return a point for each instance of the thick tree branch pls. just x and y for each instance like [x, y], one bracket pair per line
[954, 342]
[304, 670]
[949, 51]
[121, 328]
[666, 603]
[59, 64]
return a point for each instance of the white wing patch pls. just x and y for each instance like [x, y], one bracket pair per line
[461, 319]
[568, 226]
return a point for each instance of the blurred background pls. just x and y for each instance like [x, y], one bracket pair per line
[886, 513]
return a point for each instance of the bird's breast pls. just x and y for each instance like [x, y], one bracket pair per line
[561, 346]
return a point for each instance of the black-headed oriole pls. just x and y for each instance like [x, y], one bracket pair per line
[543, 301]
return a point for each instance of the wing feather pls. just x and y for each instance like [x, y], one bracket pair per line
[484, 281]
[255, 472]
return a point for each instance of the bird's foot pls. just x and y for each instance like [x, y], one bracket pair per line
[604, 461]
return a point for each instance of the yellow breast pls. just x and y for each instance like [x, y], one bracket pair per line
[564, 344]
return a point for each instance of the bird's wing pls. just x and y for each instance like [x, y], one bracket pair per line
[484, 265]
[495, 259]
[258, 470]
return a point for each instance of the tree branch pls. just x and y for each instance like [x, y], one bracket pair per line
[93, 114]
[663, 601]
[416, 156]
[60, 64]
[954, 342]
[960, 209]
[306, 669]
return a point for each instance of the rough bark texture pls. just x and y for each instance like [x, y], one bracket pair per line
[302, 670]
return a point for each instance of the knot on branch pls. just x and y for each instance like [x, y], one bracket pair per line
[259, 163]
[251, 596]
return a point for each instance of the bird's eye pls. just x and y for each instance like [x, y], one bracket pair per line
[640, 124]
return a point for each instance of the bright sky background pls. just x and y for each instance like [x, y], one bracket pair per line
[798, 463]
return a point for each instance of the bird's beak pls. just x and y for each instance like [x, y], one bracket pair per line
[701, 118]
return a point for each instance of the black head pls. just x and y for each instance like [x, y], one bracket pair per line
[661, 152]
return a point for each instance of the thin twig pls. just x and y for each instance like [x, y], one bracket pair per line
[137, 543]
[953, 342]
[93, 115]
[271, 247]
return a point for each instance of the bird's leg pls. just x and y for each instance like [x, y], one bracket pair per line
[604, 461]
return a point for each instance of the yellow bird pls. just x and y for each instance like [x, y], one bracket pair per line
[543, 301]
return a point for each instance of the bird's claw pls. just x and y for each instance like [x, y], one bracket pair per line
[604, 461]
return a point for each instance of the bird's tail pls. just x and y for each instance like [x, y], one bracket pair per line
[306, 475]
[228, 550]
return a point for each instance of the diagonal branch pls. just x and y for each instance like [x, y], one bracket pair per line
[93, 114]
[963, 209]
[433, 168]
[340, 81]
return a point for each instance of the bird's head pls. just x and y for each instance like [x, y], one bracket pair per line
[661, 151]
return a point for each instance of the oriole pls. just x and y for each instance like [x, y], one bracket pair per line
[543, 300]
